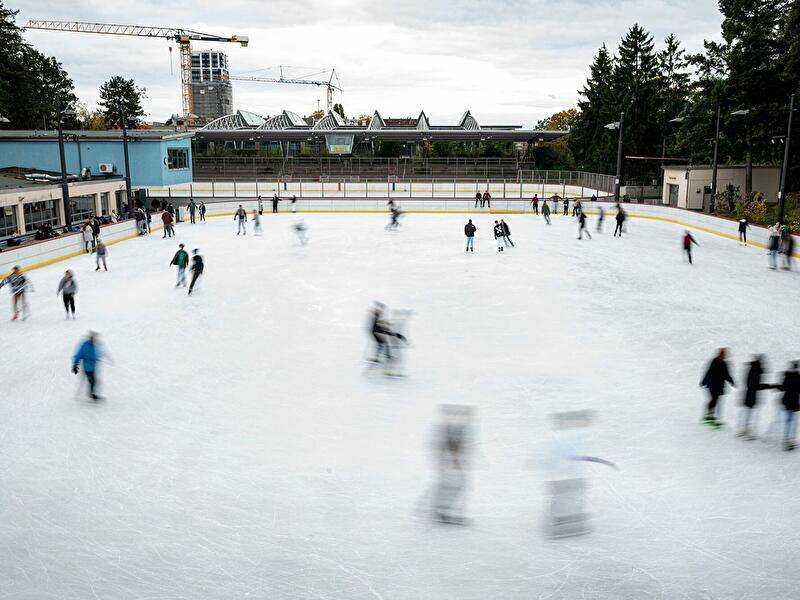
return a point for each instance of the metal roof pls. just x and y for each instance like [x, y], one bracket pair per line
[110, 134]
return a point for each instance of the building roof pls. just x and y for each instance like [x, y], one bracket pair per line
[108, 135]
[14, 178]
[709, 167]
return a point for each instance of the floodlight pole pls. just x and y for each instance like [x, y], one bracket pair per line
[618, 180]
[127, 160]
[714, 163]
[782, 193]
[64, 185]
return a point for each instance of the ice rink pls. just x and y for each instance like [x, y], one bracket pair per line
[245, 451]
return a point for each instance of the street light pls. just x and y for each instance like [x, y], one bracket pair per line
[785, 168]
[618, 125]
[748, 179]
[66, 209]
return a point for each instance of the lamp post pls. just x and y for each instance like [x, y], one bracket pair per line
[123, 118]
[748, 178]
[618, 125]
[785, 168]
[67, 210]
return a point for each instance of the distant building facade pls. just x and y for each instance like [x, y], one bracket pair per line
[689, 186]
[211, 89]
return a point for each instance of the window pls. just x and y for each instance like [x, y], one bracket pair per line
[104, 203]
[39, 213]
[8, 221]
[177, 158]
[82, 208]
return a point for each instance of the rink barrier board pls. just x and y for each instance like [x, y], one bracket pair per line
[650, 217]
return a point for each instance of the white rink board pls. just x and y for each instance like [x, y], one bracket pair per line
[242, 452]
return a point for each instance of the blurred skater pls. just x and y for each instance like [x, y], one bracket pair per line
[451, 447]
[256, 223]
[582, 226]
[743, 226]
[19, 285]
[688, 240]
[100, 255]
[293, 202]
[791, 403]
[774, 245]
[498, 235]
[469, 231]
[301, 231]
[601, 215]
[88, 354]
[620, 218]
[546, 212]
[506, 233]
[196, 268]
[260, 206]
[716, 377]
[68, 287]
[787, 248]
[240, 216]
[753, 385]
[382, 334]
[180, 260]
[394, 219]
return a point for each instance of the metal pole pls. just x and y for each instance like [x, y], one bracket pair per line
[64, 185]
[714, 164]
[618, 180]
[127, 159]
[782, 194]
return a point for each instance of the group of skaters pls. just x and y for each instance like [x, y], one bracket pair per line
[502, 235]
[92, 244]
[275, 200]
[181, 260]
[718, 376]
[781, 241]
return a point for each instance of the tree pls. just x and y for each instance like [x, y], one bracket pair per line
[563, 120]
[556, 154]
[338, 108]
[119, 95]
[317, 115]
[34, 88]
[675, 84]
[89, 119]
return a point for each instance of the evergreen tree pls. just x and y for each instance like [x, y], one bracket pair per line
[591, 147]
[118, 95]
[675, 85]
[338, 108]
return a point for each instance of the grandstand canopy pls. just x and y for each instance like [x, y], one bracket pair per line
[288, 126]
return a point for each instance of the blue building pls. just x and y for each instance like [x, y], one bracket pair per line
[157, 158]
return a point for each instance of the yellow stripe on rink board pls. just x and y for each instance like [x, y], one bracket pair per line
[131, 236]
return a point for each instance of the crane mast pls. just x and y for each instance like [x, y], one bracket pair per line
[182, 37]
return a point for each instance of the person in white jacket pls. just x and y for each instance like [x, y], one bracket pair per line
[88, 238]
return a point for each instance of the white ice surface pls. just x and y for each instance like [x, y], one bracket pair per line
[243, 453]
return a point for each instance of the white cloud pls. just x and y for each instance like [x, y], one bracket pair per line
[508, 61]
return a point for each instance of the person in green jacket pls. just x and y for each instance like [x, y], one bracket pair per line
[181, 259]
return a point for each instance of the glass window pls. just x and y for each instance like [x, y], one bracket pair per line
[39, 213]
[177, 158]
[104, 203]
[82, 208]
[8, 221]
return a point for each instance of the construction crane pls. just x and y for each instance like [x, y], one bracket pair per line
[182, 37]
[329, 85]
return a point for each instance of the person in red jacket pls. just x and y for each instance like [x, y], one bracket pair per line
[688, 240]
[168, 229]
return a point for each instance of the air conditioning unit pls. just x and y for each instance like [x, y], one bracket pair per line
[106, 167]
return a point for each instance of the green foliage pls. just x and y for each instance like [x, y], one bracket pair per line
[34, 88]
[118, 97]
[338, 108]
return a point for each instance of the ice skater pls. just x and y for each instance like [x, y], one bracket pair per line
[68, 287]
[487, 199]
[535, 204]
[753, 385]
[196, 268]
[601, 214]
[498, 235]
[19, 285]
[87, 238]
[180, 260]
[100, 255]
[382, 334]
[89, 354]
[469, 231]
[240, 216]
[743, 227]
[688, 241]
[301, 231]
[394, 219]
[582, 226]
[787, 248]
[566, 207]
[275, 200]
[478, 199]
[715, 379]
[452, 445]
[546, 212]
[506, 233]
[202, 210]
[260, 206]
[774, 245]
[293, 202]
[620, 218]
[167, 219]
[257, 222]
[791, 403]
[192, 206]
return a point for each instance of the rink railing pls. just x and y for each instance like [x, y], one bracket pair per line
[435, 188]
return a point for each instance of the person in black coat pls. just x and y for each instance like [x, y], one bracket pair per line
[506, 233]
[717, 375]
[791, 403]
[478, 199]
[469, 231]
[582, 226]
[620, 221]
[753, 385]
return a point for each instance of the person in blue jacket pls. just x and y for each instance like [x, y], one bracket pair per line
[89, 354]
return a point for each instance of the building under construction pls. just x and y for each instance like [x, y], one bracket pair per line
[211, 87]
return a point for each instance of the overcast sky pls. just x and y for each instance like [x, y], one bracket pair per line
[510, 62]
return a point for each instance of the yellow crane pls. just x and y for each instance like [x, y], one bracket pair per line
[182, 37]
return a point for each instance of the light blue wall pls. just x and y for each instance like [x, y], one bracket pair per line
[147, 158]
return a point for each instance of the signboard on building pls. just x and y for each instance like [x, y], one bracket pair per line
[339, 143]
